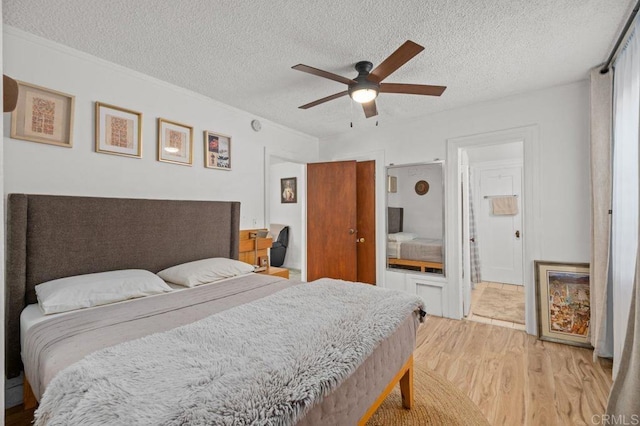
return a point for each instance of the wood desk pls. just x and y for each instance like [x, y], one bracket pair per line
[278, 272]
[247, 246]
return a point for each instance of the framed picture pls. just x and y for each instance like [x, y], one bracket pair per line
[217, 151]
[43, 115]
[118, 131]
[563, 302]
[288, 190]
[175, 142]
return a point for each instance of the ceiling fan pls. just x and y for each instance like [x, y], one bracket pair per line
[368, 84]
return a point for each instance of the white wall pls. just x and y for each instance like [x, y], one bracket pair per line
[422, 214]
[46, 169]
[561, 117]
[288, 213]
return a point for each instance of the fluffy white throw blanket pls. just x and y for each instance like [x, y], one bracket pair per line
[266, 362]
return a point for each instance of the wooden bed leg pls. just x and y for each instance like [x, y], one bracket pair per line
[405, 378]
[30, 400]
[406, 386]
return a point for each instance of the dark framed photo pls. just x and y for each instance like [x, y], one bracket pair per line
[288, 190]
[564, 311]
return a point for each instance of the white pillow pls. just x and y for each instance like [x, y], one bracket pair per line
[85, 291]
[402, 236]
[205, 271]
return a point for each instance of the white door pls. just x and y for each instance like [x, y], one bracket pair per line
[499, 237]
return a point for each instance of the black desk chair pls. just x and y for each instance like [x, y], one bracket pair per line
[279, 247]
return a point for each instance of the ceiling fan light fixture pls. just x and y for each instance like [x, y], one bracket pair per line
[364, 95]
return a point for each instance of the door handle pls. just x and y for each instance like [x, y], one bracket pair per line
[517, 234]
[352, 231]
[359, 240]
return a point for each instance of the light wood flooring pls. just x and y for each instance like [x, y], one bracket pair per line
[475, 296]
[513, 377]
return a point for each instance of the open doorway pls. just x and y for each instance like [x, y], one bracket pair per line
[493, 238]
[286, 201]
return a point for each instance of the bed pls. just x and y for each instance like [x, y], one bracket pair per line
[407, 250]
[50, 237]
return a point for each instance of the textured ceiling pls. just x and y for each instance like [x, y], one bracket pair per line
[240, 52]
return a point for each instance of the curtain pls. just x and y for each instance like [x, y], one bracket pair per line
[623, 400]
[624, 229]
[601, 122]
[474, 256]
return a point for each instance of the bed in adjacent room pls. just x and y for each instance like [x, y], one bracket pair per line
[244, 347]
[408, 250]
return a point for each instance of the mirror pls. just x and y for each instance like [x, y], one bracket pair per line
[415, 218]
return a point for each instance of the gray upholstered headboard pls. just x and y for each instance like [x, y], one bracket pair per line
[394, 219]
[50, 237]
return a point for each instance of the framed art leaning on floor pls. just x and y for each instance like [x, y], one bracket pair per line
[564, 311]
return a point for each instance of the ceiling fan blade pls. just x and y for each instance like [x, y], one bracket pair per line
[323, 100]
[321, 73]
[10, 93]
[412, 89]
[370, 109]
[397, 59]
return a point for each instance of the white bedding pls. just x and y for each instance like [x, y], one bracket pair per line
[32, 314]
[393, 249]
[421, 249]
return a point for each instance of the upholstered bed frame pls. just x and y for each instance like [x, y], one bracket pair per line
[50, 237]
[395, 219]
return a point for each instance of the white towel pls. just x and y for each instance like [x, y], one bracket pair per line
[504, 205]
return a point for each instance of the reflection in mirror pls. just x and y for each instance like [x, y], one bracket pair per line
[415, 218]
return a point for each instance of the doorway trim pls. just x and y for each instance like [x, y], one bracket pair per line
[529, 135]
[292, 157]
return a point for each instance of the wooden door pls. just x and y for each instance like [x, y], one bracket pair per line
[331, 220]
[366, 221]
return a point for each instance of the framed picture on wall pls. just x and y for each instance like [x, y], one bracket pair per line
[43, 115]
[217, 151]
[564, 311]
[288, 190]
[118, 131]
[175, 142]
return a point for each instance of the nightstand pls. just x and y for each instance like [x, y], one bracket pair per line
[278, 272]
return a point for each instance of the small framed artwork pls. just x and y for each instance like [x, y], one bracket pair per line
[175, 142]
[217, 151]
[118, 131]
[43, 115]
[288, 190]
[564, 309]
